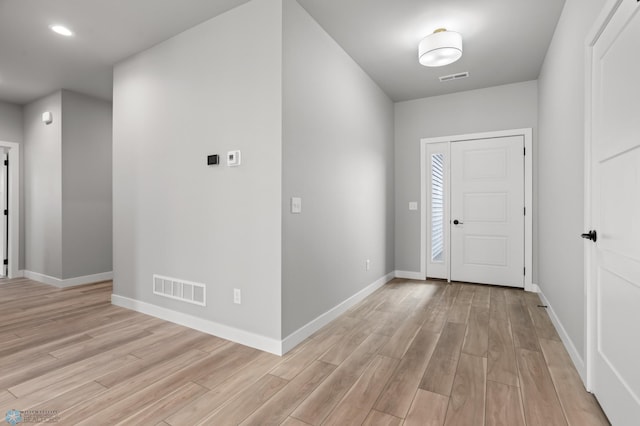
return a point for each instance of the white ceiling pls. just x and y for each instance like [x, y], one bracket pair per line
[504, 41]
[35, 62]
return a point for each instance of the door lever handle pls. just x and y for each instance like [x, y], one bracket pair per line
[457, 222]
[591, 235]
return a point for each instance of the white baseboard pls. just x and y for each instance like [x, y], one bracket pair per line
[267, 344]
[243, 337]
[311, 327]
[409, 275]
[69, 282]
[578, 362]
[535, 288]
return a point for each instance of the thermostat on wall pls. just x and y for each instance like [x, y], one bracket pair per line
[212, 160]
[233, 158]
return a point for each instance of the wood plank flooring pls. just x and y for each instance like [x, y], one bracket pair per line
[412, 353]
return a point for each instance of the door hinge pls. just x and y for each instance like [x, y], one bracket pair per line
[6, 261]
[6, 162]
[6, 212]
[525, 210]
[524, 151]
[524, 271]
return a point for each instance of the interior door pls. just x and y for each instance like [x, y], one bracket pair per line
[487, 211]
[615, 209]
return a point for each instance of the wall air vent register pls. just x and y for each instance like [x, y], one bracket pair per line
[185, 291]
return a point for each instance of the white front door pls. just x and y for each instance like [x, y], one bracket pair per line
[487, 211]
[615, 209]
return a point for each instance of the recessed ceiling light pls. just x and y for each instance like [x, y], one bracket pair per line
[62, 30]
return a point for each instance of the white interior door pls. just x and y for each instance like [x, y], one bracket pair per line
[615, 210]
[487, 211]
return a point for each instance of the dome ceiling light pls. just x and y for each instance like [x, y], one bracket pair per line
[440, 48]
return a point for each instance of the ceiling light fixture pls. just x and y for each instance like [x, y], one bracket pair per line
[62, 30]
[440, 48]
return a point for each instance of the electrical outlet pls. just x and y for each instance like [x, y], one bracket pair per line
[367, 264]
[237, 296]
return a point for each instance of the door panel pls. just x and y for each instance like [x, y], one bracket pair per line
[485, 207]
[487, 198]
[615, 194]
[485, 250]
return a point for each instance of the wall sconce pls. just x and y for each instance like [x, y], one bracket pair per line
[47, 117]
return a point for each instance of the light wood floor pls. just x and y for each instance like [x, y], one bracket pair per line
[413, 353]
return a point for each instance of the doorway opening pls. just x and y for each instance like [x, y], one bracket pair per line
[9, 209]
[4, 212]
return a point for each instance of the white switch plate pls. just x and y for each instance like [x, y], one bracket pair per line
[237, 296]
[413, 205]
[296, 205]
[233, 158]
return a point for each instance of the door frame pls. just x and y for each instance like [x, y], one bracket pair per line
[13, 252]
[527, 134]
[590, 268]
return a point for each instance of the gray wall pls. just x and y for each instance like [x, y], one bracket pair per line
[561, 174]
[43, 187]
[10, 122]
[337, 156]
[214, 88]
[86, 185]
[497, 108]
[11, 130]
[67, 186]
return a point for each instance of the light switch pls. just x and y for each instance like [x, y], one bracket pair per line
[296, 205]
[413, 205]
[233, 158]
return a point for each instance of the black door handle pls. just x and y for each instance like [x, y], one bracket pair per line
[457, 222]
[591, 235]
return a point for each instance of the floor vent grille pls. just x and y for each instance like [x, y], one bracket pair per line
[454, 76]
[185, 291]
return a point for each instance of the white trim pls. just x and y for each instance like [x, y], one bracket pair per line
[535, 288]
[243, 337]
[578, 362]
[409, 275]
[69, 282]
[311, 327]
[589, 256]
[263, 343]
[527, 133]
[13, 154]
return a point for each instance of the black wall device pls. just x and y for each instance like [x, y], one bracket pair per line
[213, 159]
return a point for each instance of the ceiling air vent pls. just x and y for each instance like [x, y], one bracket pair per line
[454, 76]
